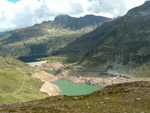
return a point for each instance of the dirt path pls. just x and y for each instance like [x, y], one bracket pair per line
[20, 88]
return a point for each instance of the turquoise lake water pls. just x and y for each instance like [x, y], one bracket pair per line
[71, 89]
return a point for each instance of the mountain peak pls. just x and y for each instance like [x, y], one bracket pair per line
[57, 18]
[67, 21]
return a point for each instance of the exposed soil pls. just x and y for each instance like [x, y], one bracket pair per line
[76, 77]
[47, 87]
[44, 76]
[50, 89]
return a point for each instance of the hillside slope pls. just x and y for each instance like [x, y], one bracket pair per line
[118, 47]
[120, 98]
[16, 83]
[43, 39]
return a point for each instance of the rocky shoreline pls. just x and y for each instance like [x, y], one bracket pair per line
[47, 87]
[76, 77]
[53, 90]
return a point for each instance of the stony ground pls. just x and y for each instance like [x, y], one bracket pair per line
[120, 98]
[47, 87]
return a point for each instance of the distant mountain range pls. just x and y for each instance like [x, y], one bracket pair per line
[42, 39]
[118, 47]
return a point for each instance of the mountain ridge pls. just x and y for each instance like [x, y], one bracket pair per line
[78, 23]
[42, 39]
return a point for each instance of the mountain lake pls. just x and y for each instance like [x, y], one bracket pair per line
[74, 89]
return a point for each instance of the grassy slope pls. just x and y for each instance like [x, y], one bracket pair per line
[24, 42]
[16, 83]
[121, 98]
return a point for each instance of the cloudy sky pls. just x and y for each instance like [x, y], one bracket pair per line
[16, 14]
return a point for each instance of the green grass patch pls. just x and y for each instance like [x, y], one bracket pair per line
[16, 83]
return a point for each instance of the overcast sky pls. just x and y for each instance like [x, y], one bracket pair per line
[16, 14]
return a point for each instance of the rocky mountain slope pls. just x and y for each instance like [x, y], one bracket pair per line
[42, 39]
[74, 23]
[120, 98]
[118, 47]
[16, 83]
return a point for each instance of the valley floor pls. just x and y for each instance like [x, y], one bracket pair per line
[131, 96]
[53, 90]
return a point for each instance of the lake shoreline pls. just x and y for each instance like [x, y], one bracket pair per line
[47, 87]
[75, 77]
[69, 88]
[53, 90]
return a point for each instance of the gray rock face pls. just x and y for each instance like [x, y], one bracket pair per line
[78, 23]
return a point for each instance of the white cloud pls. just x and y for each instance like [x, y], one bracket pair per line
[29, 12]
[113, 8]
